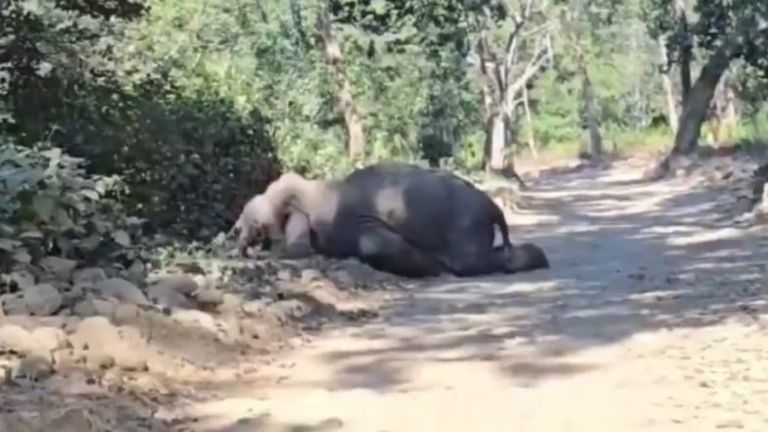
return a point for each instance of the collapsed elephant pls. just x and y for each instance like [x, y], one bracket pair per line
[395, 217]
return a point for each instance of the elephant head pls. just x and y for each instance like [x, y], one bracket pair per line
[256, 225]
[282, 212]
[525, 257]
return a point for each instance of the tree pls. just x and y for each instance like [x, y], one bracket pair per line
[725, 31]
[334, 56]
[506, 70]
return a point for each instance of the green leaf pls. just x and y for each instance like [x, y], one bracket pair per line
[91, 243]
[91, 194]
[44, 206]
[32, 235]
[22, 256]
[122, 238]
[9, 244]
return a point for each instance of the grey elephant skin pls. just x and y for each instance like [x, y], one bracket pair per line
[396, 217]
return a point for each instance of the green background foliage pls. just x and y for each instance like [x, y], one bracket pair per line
[197, 105]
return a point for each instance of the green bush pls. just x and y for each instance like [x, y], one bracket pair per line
[49, 205]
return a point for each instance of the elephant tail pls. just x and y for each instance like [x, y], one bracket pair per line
[497, 218]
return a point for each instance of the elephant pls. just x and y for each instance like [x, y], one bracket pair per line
[396, 217]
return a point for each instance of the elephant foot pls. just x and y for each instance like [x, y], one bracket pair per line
[525, 257]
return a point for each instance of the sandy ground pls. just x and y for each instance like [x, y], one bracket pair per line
[652, 318]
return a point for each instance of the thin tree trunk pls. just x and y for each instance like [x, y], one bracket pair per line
[686, 51]
[666, 81]
[529, 120]
[498, 141]
[695, 110]
[595, 141]
[353, 120]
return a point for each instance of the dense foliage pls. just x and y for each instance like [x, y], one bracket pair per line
[195, 106]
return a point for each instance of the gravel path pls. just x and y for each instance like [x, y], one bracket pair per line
[652, 318]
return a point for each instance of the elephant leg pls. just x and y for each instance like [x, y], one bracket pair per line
[475, 258]
[386, 250]
[297, 236]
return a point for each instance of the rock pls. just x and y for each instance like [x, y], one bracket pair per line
[290, 309]
[195, 318]
[16, 339]
[92, 333]
[23, 279]
[342, 277]
[137, 273]
[88, 276]
[254, 308]
[49, 338]
[63, 359]
[131, 355]
[105, 345]
[13, 304]
[309, 275]
[95, 307]
[209, 297]
[121, 290]
[201, 281]
[181, 283]
[42, 300]
[35, 367]
[167, 296]
[230, 304]
[61, 268]
[126, 313]
[284, 275]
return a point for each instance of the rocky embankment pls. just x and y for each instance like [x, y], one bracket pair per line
[142, 330]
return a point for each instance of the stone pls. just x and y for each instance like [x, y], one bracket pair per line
[290, 309]
[309, 275]
[342, 277]
[254, 308]
[121, 290]
[105, 345]
[93, 333]
[95, 307]
[126, 313]
[36, 367]
[195, 318]
[137, 272]
[209, 297]
[16, 339]
[42, 300]
[167, 296]
[230, 304]
[88, 276]
[13, 304]
[22, 278]
[63, 359]
[181, 283]
[59, 267]
[49, 338]
[130, 354]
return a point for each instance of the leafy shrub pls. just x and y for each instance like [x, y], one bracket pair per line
[49, 205]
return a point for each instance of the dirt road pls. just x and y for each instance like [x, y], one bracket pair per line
[651, 319]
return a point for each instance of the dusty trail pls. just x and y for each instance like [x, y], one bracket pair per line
[651, 319]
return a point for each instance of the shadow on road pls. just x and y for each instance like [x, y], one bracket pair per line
[627, 258]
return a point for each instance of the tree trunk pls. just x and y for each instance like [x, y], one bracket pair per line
[497, 137]
[594, 142]
[666, 81]
[529, 121]
[696, 108]
[353, 121]
[686, 51]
